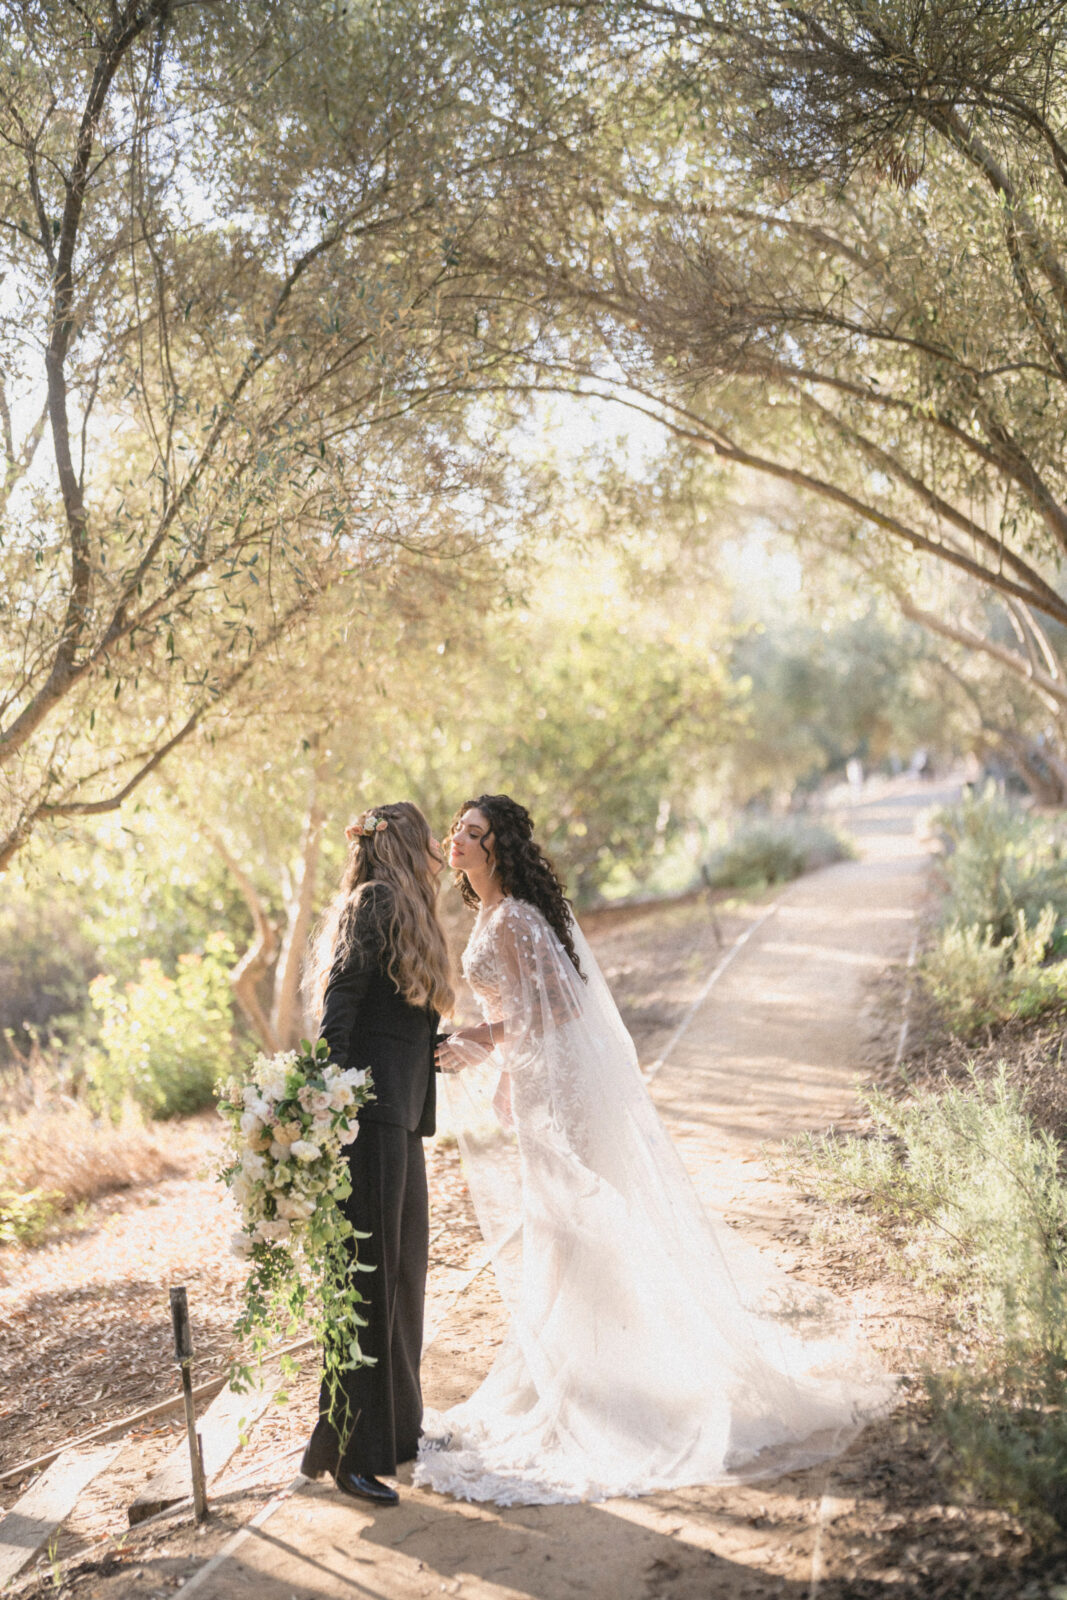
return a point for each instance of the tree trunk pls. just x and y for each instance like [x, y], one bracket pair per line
[259, 957]
[1042, 769]
[287, 1015]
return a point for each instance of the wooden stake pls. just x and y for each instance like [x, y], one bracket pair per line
[183, 1354]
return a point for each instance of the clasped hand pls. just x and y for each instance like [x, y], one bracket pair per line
[463, 1047]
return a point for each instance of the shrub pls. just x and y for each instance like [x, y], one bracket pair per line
[1003, 861]
[27, 1215]
[164, 1042]
[774, 851]
[972, 1200]
[977, 980]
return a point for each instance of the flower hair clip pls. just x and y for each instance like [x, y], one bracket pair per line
[366, 825]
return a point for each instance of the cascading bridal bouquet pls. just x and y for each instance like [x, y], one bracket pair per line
[288, 1128]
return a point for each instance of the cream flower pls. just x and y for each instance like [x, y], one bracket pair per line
[274, 1232]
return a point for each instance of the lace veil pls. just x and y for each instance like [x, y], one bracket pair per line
[647, 1347]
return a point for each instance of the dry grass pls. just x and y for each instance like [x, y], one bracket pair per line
[55, 1154]
[1032, 1052]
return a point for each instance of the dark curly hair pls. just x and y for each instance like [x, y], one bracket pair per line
[522, 868]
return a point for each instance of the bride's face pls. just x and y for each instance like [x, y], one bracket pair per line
[467, 847]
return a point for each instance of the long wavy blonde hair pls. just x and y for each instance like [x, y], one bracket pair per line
[396, 857]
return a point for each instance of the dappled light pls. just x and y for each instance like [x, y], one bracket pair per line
[648, 419]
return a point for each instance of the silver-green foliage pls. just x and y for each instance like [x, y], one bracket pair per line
[1000, 950]
[1002, 861]
[978, 980]
[972, 1200]
[774, 851]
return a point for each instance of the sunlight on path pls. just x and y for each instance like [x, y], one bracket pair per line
[779, 1042]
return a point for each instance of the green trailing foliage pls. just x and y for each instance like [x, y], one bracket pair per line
[774, 851]
[164, 1042]
[970, 1198]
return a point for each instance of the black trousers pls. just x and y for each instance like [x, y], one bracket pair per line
[380, 1426]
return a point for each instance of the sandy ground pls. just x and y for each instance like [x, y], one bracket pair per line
[773, 1048]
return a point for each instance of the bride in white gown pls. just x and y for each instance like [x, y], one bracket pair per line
[646, 1348]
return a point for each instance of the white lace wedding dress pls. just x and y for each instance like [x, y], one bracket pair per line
[647, 1348]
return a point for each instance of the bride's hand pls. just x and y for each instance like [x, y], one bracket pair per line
[447, 1058]
[461, 1049]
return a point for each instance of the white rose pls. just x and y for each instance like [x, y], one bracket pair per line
[348, 1135]
[241, 1188]
[297, 1210]
[240, 1245]
[273, 1232]
[280, 1152]
[273, 1083]
[342, 1096]
[254, 1166]
[304, 1150]
[250, 1123]
[355, 1077]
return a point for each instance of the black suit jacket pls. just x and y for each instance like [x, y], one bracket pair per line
[368, 1024]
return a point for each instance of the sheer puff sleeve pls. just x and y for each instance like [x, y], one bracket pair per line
[537, 985]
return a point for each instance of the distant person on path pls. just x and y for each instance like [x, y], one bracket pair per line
[380, 974]
[647, 1347]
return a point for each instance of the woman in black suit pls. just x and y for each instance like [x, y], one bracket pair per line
[380, 974]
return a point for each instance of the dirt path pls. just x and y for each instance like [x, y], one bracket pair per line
[781, 1038]
[773, 1047]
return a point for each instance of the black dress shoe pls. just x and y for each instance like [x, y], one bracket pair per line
[361, 1486]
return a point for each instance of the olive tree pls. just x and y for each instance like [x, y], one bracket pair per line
[228, 378]
[825, 244]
